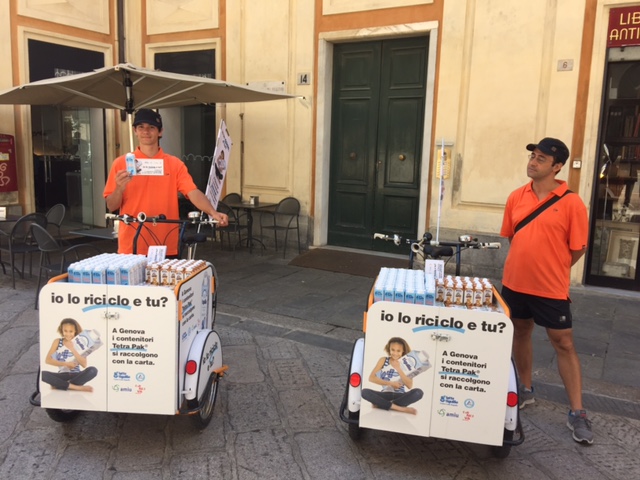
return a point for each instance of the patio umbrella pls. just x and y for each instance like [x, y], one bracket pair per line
[129, 88]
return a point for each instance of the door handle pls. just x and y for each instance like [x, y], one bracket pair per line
[352, 155]
[401, 157]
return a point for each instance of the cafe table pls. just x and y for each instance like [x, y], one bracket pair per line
[249, 208]
[10, 218]
[100, 233]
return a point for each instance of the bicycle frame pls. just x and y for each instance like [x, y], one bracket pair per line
[195, 218]
[427, 248]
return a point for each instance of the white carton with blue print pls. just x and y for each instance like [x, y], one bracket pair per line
[413, 363]
[86, 342]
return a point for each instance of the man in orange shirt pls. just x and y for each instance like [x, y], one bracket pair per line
[155, 194]
[536, 273]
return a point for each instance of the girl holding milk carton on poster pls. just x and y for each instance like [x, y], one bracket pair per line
[69, 354]
[395, 374]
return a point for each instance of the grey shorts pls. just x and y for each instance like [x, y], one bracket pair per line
[546, 312]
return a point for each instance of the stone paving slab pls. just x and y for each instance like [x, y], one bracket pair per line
[277, 410]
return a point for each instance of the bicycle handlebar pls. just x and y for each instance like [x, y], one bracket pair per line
[426, 247]
[464, 241]
[194, 218]
[467, 244]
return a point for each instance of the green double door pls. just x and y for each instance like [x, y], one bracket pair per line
[377, 128]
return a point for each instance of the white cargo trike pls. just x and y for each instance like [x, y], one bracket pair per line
[138, 346]
[442, 369]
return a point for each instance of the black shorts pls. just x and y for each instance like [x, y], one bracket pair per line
[546, 312]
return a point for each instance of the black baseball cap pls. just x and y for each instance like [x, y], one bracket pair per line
[551, 146]
[146, 115]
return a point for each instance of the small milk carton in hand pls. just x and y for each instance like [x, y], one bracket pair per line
[87, 342]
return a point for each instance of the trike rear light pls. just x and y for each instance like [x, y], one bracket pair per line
[512, 399]
[191, 367]
[355, 380]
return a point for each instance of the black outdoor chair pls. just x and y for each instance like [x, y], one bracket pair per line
[55, 217]
[235, 198]
[18, 241]
[54, 258]
[282, 218]
[232, 198]
[235, 226]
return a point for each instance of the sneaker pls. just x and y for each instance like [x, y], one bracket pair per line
[525, 397]
[580, 426]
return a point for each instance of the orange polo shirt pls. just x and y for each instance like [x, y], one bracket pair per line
[539, 258]
[153, 195]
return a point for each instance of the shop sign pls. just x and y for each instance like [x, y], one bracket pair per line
[8, 173]
[624, 27]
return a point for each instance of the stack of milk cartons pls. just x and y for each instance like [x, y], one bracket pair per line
[109, 268]
[170, 272]
[404, 286]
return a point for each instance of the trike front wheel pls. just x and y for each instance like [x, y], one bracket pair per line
[354, 428]
[503, 450]
[207, 402]
[62, 416]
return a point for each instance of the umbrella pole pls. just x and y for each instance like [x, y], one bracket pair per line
[129, 121]
[241, 153]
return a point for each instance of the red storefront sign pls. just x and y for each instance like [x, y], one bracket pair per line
[8, 173]
[624, 27]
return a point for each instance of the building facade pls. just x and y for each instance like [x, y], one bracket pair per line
[414, 114]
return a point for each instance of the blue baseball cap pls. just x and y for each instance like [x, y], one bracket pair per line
[146, 115]
[551, 146]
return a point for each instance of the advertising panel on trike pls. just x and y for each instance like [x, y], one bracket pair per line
[435, 360]
[124, 333]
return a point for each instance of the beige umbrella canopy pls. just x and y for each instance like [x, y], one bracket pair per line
[129, 88]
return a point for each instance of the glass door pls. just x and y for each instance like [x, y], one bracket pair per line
[615, 216]
[68, 169]
[68, 143]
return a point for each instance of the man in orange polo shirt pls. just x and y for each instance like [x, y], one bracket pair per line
[153, 194]
[536, 273]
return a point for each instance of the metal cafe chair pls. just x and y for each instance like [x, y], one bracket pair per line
[235, 198]
[54, 258]
[55, 217]
[18, 241]
[232, 198]
[282, 218]
[235, 225]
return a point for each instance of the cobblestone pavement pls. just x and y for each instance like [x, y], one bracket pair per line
[277, 411]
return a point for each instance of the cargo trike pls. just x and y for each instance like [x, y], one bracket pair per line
[435, 360]
[131, 334]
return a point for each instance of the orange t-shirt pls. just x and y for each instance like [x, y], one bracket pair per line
[539, 258]
[154, 195]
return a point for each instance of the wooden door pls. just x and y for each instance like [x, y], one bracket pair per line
[376, 139]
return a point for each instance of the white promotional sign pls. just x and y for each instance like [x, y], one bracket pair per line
[135, 368]
[456, 363]
[150, 167]
[219, 165]
[127, 345]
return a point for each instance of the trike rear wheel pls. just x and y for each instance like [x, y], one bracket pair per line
[503, 450]
[354, 428]
[62, 416]
[207, 402]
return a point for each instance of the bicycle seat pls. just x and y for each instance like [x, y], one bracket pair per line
[437, 252]
[192, 238]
